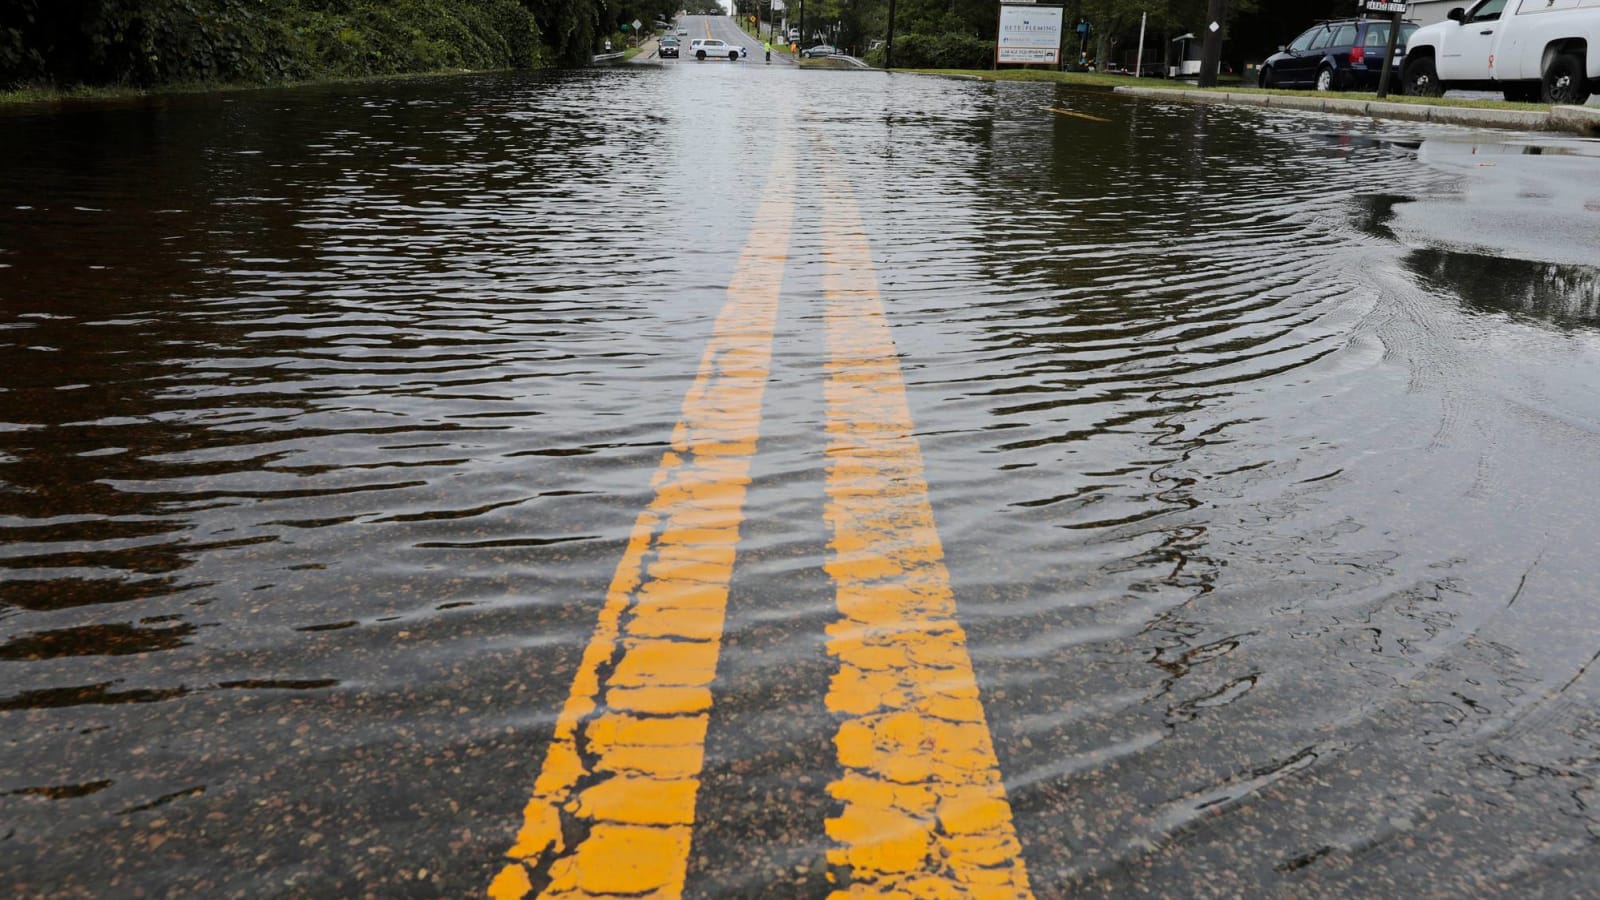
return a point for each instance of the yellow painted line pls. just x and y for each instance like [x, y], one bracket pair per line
[924, 812]
[1075, 115]
[612, 810]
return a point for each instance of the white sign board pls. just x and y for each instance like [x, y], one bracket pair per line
[1029, 34]
[1388, 6]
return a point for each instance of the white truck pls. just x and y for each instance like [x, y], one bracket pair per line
[1532, 50]
[700, 48]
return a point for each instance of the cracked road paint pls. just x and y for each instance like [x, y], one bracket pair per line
[613, 809]
[923, 810]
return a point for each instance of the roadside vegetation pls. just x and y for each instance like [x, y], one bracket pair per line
[961, 33]
[52, 48]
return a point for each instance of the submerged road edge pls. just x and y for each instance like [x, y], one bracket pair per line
[1580, 120]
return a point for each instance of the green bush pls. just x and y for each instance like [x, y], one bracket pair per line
[938, 51]
[150, 42]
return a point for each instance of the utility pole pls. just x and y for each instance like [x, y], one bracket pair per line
[888, 42]
[1388, 57]
[1211, 49]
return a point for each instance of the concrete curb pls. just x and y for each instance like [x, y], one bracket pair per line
[1583, 120]
[1572, 119]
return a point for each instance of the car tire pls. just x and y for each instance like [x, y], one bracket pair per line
[1565, 81]
[734, 56]
[1325, 79]
[700, 55]
[1422, 78]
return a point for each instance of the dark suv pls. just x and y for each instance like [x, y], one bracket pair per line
[1337, 56]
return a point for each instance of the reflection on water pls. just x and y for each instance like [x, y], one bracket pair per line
[327, 413]
[1566, 295]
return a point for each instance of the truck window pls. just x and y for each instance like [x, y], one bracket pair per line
[1487, 12]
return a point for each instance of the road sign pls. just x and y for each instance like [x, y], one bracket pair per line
[637, 24]
[1385, 6]
[1029, 34]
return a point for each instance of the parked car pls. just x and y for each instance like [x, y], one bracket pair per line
[1338, 55]
[702, 48]
[819, 50]
[794, 35]
[667, 46]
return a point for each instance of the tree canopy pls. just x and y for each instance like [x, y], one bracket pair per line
[149, 42]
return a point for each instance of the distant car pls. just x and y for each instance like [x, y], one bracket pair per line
[703, 48]
[794, 35]
[1337, 56]
[667, 46]
[683, 32]
[819, 50]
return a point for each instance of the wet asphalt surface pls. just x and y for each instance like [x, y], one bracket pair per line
[1261, 447]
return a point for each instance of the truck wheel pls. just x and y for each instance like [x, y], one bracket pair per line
[1324, 79]
[700, 54]
[1422, 79]
[1566, 81]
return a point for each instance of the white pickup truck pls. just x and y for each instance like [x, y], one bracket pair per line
[1532, 50]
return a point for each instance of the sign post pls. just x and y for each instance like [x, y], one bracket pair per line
[1398, 8]
[1138, 61]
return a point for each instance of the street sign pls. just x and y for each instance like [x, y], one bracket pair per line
[1386, 6]
[637, 24]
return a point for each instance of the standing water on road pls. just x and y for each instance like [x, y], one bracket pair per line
[1239, 463]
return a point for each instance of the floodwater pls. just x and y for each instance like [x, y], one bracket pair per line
[1261, 447]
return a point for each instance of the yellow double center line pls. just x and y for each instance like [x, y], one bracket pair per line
[922, 808]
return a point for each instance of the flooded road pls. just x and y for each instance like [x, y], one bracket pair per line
[746, 481]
